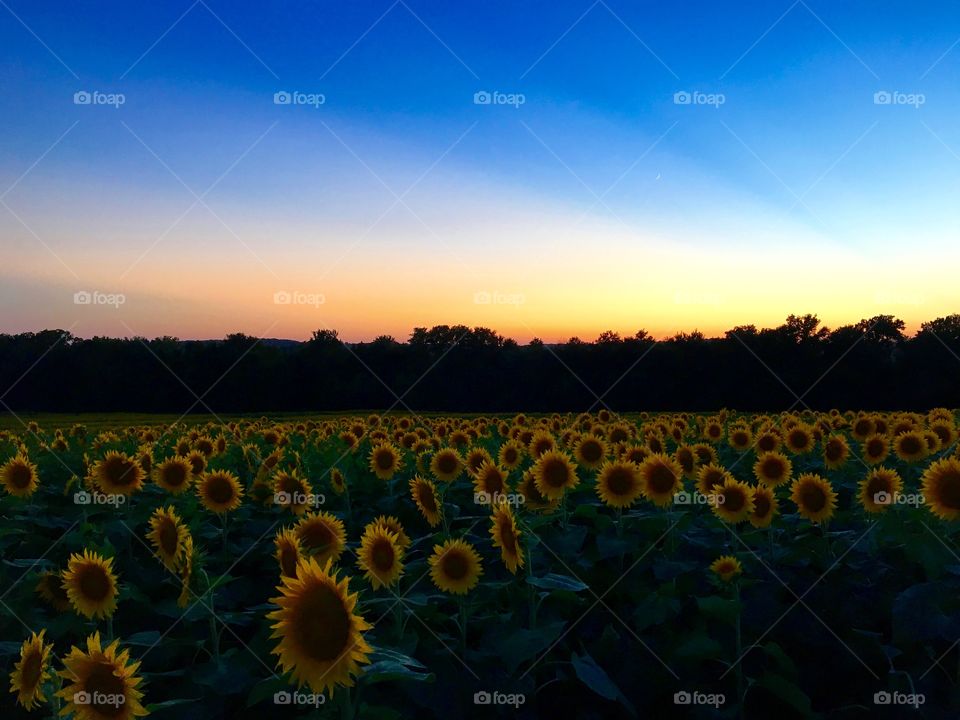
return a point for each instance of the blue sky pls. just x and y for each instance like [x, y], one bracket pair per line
[797, 169]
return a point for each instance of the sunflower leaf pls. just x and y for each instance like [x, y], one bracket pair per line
[596, 678]
[553, 581]
[387, 670]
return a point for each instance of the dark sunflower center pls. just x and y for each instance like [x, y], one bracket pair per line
[834, 450]
[197, 464]
[948, 489]
[107, 691]
[767, 443]
[733, 499]
[31, 668]
[799, 439]
[20, 476]
[761, 506]
[94, 583]
[426, 499]
[169, 539]
[493, 482]
[384, 460]
[288, 560]
[507, 536]
[877, 484]
[120, 471]
[620, 481]
[876, 447]
[911, 445]
[175, 475]
[447, 463]
[773, 468]
[661, 479]
[813, 498]
[316, 535]
[510, 455]
[383, 555]
[322, 624]
[219, 489]
[591, 451]
[455, 565]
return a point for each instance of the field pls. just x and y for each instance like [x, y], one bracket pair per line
[593, 565]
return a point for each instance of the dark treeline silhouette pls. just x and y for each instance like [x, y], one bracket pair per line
[800, 364]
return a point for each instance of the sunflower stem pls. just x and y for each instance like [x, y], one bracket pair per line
[533, 589]
[740, 691]
[214, 639]
[109, 630]
[463, 626]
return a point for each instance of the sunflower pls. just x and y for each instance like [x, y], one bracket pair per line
[619, 483]
[799, 439]
[288, 552]
[198, 462]
[476, 458]
[661, 478]
[836, 452]
[428, 501]
[510, 455]
[490, 480]
[687, 459]
[768, 440]
[19, 476]
[726, 567]
[321, 536]
[50, 588]
[101, 683]
[814, 497]
[945, 430]
[554, 472]
[167, 535]
[503, 529]
[710, 477]
[773, 469]
[713, 431]
[321, 637]
[117, 474]
[91, 584]
[875, 448]
[174, 475]
[385, 461]
[878, 489]
[540, 443]
[186, 572]
[590, 452]
[31, 671]
[941, 488]
[220, 491]
[910, 446]
[392, 524]
[337, 481]
[734, 501]
[531, 494]
[380, 556]
[292, 491]
[455, 567]
[446, 465]
[764, 506]
[863, 427]
[740, 438]
[706, 454]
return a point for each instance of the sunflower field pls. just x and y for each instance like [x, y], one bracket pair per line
[731, 565]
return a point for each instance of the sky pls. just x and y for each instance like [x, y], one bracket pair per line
[546, 169]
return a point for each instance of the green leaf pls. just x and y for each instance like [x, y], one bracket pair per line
[553, 581]
[720, 608]
[596, 678]
[524, 644]
[785, 690]
[388, 670]
[700, 647]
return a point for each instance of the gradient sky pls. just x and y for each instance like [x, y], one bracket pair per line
[598, 203]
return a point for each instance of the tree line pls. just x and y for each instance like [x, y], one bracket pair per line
[799, 364]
